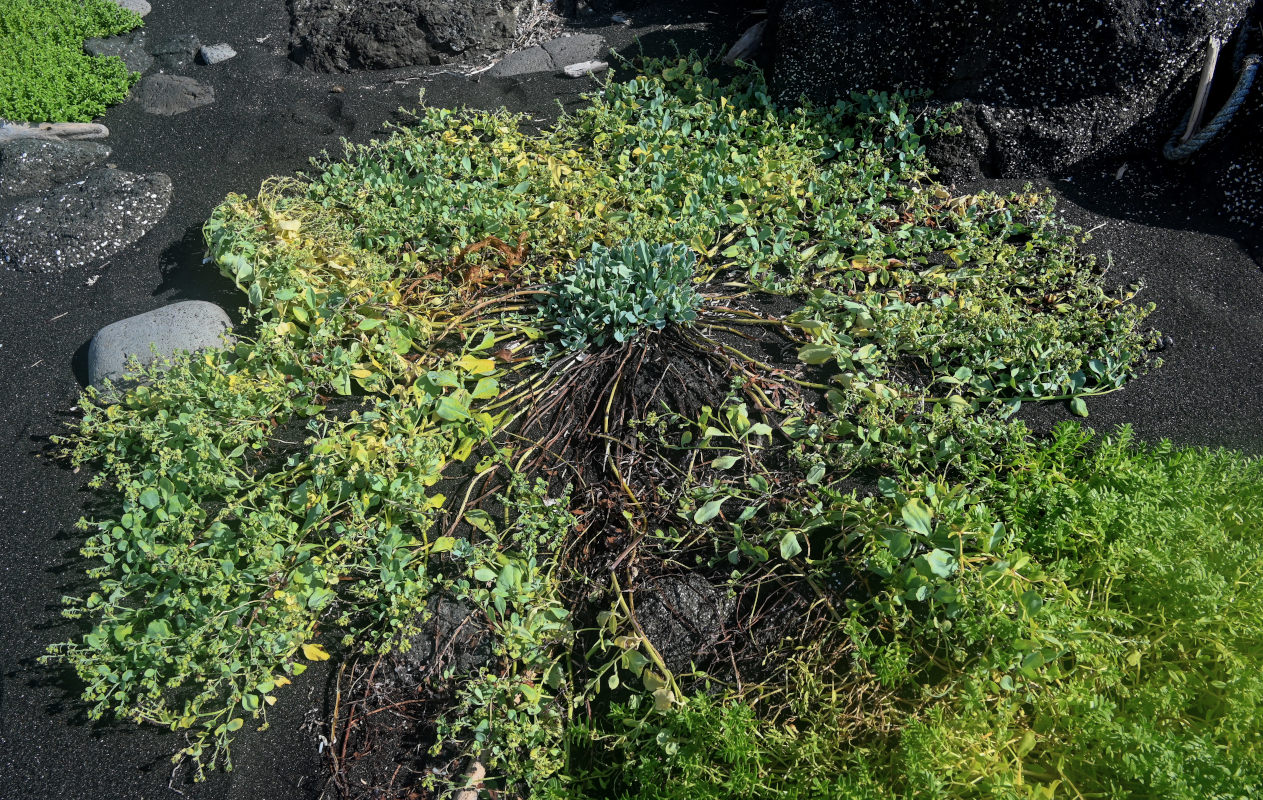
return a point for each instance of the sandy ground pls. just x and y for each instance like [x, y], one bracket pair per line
[269, 117]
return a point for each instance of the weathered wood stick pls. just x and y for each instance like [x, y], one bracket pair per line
[474, 776]
[52, 130]
[1203, 90]
[585, 68]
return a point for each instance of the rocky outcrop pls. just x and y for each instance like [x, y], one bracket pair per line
[168, 95]
[82, 223]
[341, 35]
[177, 52]
[554, 55]
[33, 165]
[1044, 85]
[130, 47]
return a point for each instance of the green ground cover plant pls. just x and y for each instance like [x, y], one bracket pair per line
[44, 74]
[1102, 645]
[685, 348]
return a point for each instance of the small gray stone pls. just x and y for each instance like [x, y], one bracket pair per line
[585, 68]
[173, 94]
[215, 53]
[523, 62]
[139, 6]
[28, 166]
[130, 47]
[84, 222]
[176, 52]
[188, 326]
[566, 50]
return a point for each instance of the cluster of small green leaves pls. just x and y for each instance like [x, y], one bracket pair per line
[671, 156]
[1027, 322]
[235, 539]
[706, 749]
[44, 74]
[512, 719]
[1081, 622]
[1106, 645]
[614, 292]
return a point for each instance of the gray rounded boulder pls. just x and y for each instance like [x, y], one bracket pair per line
[187, 326]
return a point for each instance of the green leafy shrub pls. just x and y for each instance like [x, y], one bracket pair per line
[290, 485]
[44, 74]
[615, 292]
[711, 750]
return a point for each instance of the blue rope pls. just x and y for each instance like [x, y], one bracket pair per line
[1248, 66]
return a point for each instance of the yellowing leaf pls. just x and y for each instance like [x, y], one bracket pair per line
[463, 449]
[476, 366]
[314, 652]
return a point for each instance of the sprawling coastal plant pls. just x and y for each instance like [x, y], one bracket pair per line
[699, 410]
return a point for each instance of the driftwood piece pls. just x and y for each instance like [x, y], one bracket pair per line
[747, 45]
[585, 68]
[52, 130]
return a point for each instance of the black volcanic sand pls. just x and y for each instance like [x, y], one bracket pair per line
[268, 118]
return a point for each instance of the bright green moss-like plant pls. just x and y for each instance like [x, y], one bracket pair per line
[615, 292]
[1102, 641]
[44, 74]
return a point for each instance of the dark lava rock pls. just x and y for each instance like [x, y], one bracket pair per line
[683, 616]
[130, 47]
[177, 52]
[28, 166]
[172, 94]
[341, 35]
[1046, 84]
[567, 50]
[551, 56]
[1235, 160]
[523, 62]
[1242, 184]
[83, 223]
